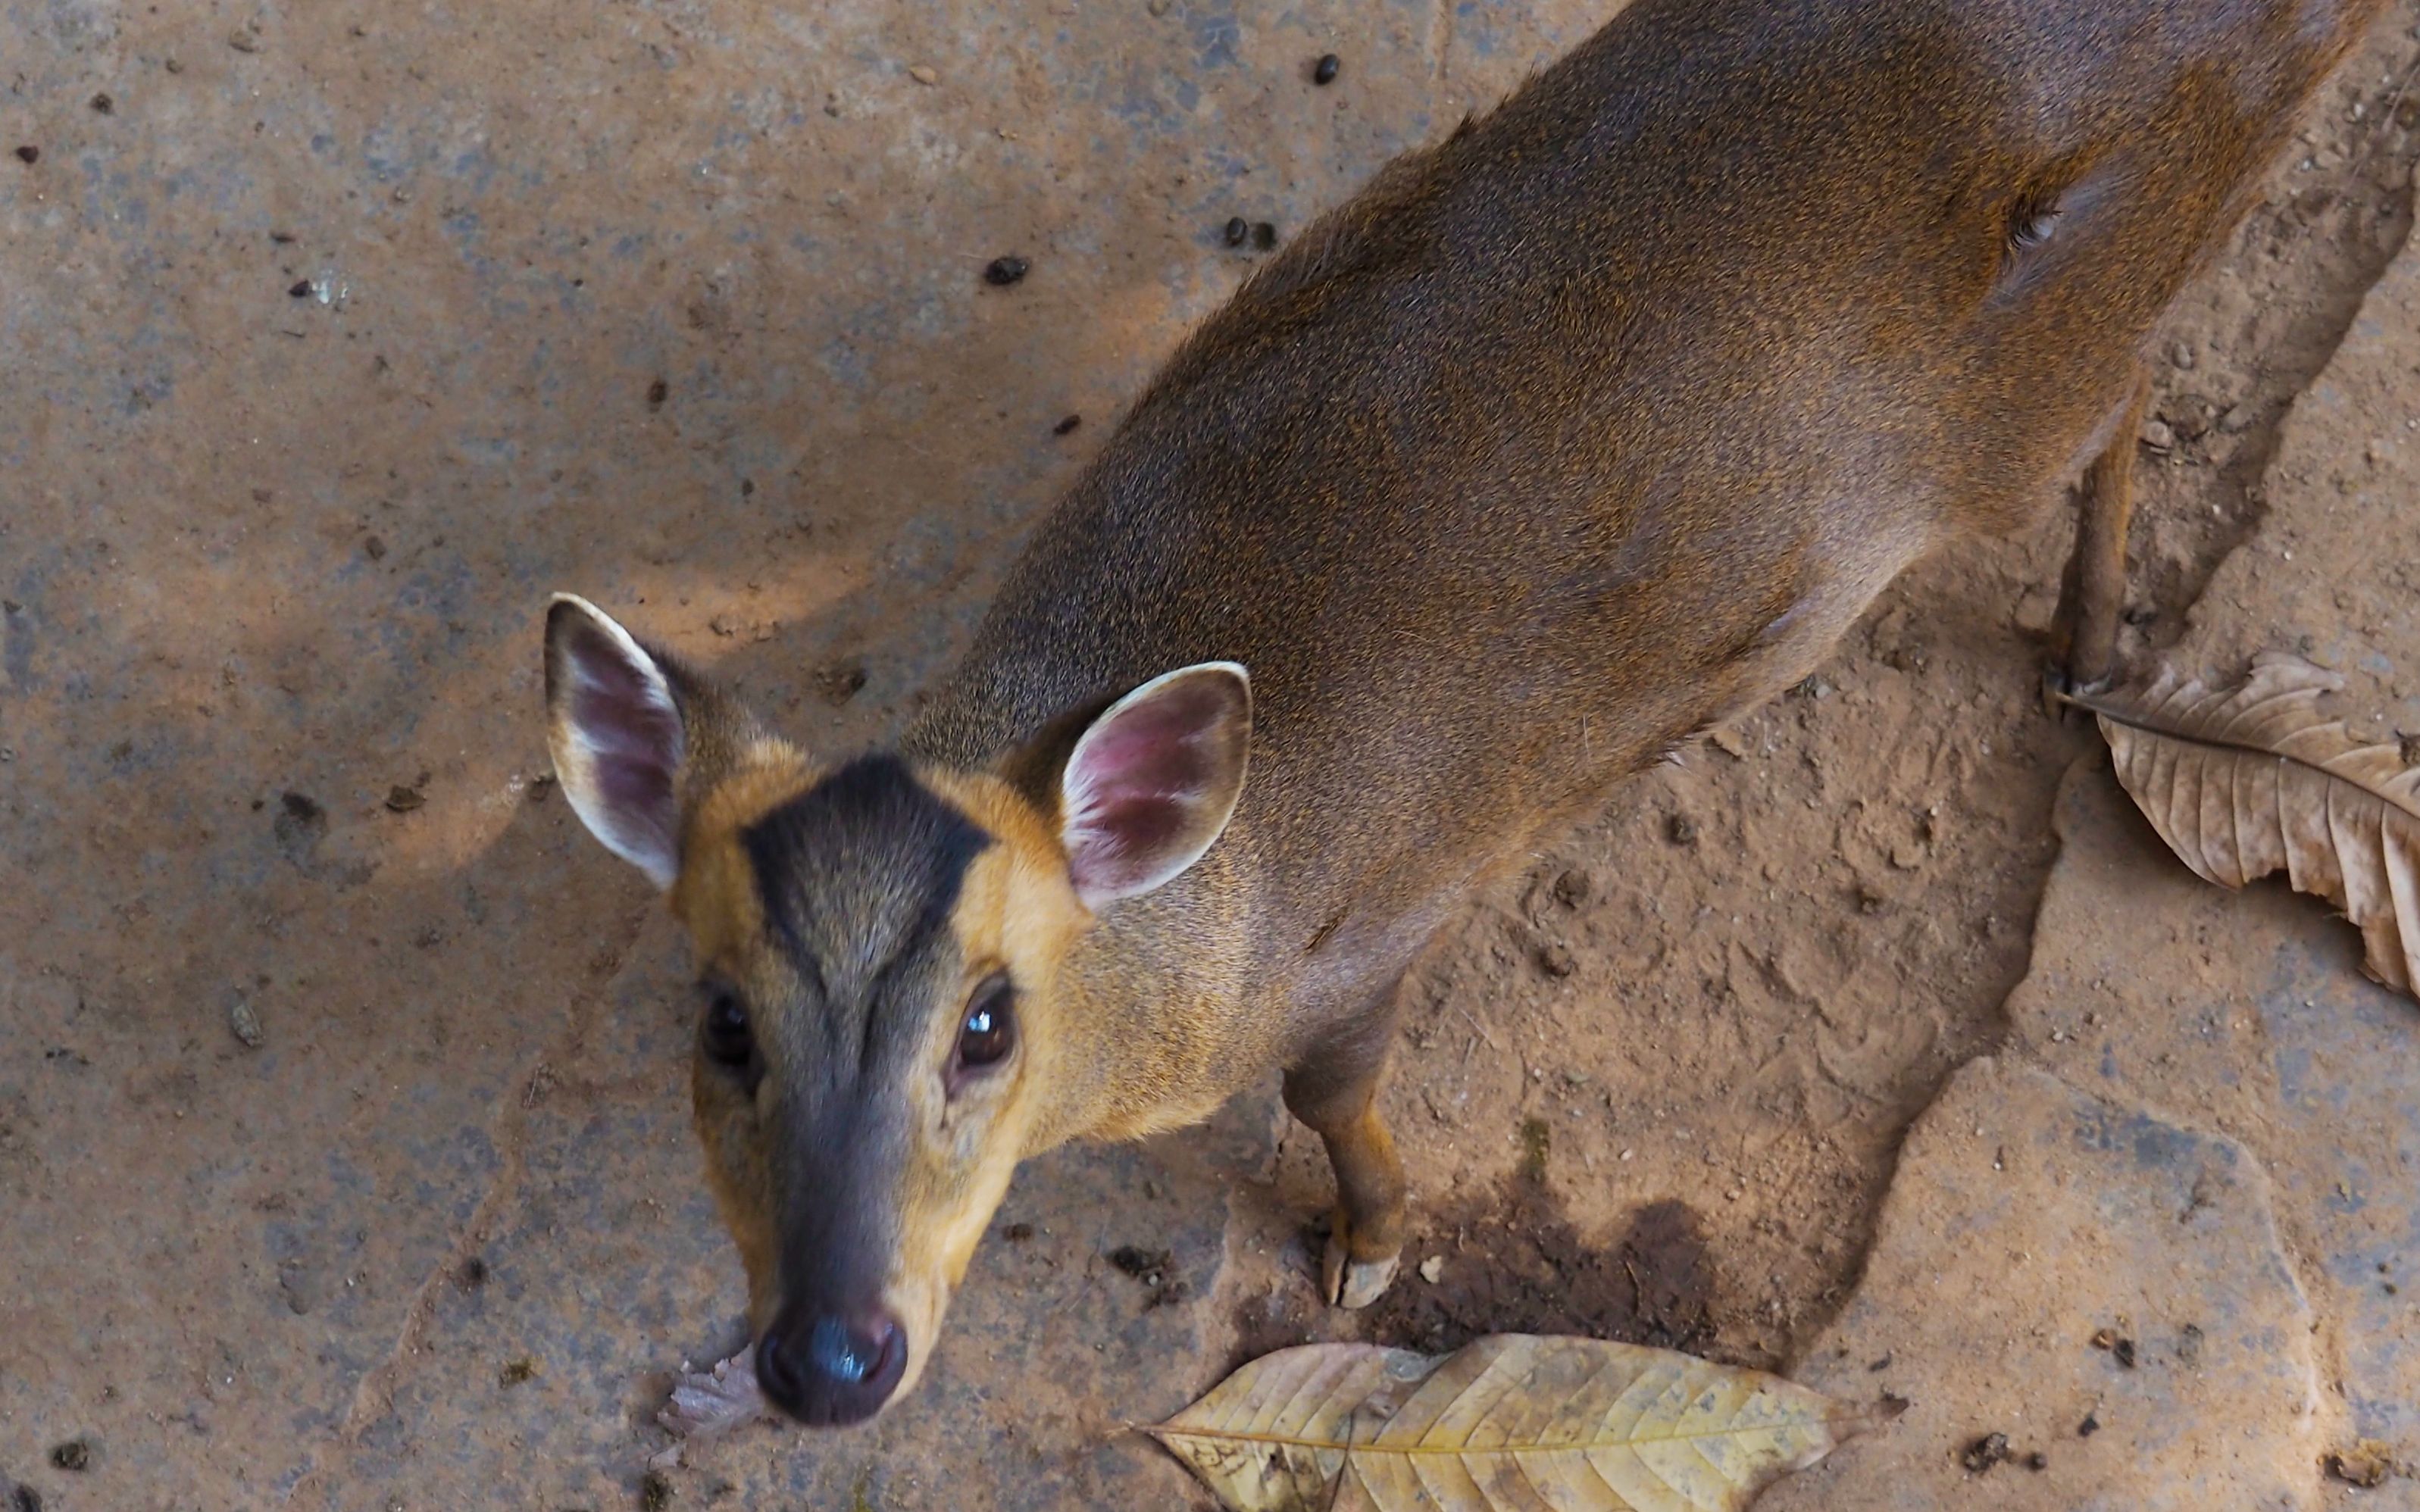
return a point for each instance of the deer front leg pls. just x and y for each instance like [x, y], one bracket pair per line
[1335, 1093]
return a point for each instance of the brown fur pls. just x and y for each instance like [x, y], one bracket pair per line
[1535, 458]
[1568, 437]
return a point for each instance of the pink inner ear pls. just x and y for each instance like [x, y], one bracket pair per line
[1137, 785]
[633, 738]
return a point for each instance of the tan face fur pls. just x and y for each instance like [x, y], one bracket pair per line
[1015, 912]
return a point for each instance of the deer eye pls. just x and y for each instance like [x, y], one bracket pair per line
[987, 1034]
[723, 1032]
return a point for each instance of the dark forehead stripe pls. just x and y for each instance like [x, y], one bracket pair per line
[860, 868]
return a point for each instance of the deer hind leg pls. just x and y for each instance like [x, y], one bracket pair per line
[2083, 633]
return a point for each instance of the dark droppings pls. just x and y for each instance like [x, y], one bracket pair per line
[1152, 1268]
[2036, 1460]
[29, 153]
[1236, 230]
[75, 1455]
[1003, 271]
[658, 392]
[102, 103]
[26, 1499]
[2090, 1426]
[1984, 1453]
[1067, 427]
[1264, 236]
[1324, 71]
[299, 289]
[1018, 1233]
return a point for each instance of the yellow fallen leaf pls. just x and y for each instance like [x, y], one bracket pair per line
[2245, 782]
[1567, 1425]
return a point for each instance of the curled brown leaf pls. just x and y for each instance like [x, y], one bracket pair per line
[2245, 782]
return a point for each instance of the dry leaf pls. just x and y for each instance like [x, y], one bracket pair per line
[2252, 780]
[1570, 1424]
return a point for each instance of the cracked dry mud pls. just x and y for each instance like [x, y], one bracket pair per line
[343, 1147]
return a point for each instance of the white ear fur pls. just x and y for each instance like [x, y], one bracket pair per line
[1151, 782]
[615, 729]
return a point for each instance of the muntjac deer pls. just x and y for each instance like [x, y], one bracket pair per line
[1569, 436]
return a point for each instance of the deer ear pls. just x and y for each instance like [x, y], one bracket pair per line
[616, 731]
[1151, 782]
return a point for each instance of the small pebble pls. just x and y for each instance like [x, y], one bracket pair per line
[29, 154]
[1237, 229]
[1324, 71]
[2181, 354]
[245, 1022]
[1003, 271]
[2159, 436]
[1433, 1268]
[74, 1455]
[925, 75]
[401, 799]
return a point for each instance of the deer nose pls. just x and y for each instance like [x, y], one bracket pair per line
[831, 1369]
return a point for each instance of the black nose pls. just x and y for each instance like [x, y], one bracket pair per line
[826, 1368]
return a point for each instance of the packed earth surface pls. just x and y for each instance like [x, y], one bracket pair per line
[345, 1158]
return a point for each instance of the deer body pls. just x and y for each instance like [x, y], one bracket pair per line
[1569, 436]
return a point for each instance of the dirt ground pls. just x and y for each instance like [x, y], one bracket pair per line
[344, 1158]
